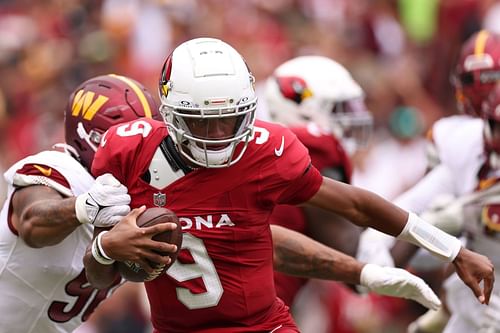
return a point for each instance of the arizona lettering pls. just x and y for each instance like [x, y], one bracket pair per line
[206, 222]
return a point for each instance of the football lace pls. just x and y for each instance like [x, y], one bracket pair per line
[155, 273]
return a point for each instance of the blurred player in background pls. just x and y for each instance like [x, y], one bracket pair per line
[323, 106]
[228, 176]
[464, 167]
[52, 206]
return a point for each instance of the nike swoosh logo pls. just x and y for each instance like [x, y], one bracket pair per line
[278, 152]
[44, 171]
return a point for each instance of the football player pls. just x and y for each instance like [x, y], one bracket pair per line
[51, 208]
[52, 205]
[465, 148]
[324, 107]
[230, 171]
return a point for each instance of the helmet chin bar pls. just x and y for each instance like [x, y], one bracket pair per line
[204, 157]
[207, 158]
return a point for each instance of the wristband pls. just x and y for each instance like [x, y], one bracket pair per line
[98, 252]
[439, 243]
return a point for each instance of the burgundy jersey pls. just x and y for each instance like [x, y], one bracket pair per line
[330, 158]
[222, 280]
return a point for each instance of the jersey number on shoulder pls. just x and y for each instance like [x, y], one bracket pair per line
[203, 268]
[260, 135]
[86, 298]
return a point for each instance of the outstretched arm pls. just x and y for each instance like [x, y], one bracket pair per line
[296, 254]
[42, 216]
[370, 210]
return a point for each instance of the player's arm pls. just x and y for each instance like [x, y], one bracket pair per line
[44, 217]
[370, 210]
[297, 254]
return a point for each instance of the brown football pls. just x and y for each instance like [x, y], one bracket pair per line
[152, 216]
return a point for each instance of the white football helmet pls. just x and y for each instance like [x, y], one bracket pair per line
[320, 90]
[208, 102]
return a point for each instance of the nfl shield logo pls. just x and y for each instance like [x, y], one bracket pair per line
[159, 199]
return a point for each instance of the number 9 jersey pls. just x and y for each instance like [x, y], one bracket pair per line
[222, 280]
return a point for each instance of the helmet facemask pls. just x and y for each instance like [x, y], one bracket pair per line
[208, 102]
[352, 122]
[191, 129]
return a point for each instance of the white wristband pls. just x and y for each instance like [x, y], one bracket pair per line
[98, 252]
[439, 243]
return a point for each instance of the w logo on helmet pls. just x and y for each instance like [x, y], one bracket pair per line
[84, 102]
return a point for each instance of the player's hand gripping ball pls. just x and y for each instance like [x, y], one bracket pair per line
[132, 271]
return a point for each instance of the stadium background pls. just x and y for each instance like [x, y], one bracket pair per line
[400, 51]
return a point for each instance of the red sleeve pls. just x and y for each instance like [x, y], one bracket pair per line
[302, 188]
[127, 149]
[289, 178]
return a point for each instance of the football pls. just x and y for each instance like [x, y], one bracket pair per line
[152, 216]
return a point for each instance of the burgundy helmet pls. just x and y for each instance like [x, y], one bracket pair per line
[477, 71]
[491, 115]
[100, 103]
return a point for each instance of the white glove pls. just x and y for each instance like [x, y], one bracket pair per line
[433, 321]
[445, 213]
[398, 283]
[104, 204]
[490, 320]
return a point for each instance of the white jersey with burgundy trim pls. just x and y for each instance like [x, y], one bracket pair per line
[45, 290]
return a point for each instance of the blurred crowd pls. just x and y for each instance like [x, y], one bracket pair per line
[400, 51]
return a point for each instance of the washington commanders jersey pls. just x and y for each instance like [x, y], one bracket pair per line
[44, 290]
[222, 280]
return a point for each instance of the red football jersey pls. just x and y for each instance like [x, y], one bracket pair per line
[222, 280]
[329, 157]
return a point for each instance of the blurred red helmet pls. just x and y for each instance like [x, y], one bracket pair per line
[491, 115]
[100, 103]
[477, 71]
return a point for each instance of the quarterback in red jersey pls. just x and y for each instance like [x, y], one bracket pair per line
[324, 107]
[230, 171]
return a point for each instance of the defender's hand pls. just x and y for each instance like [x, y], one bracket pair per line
[105, 204]
[472, 268]
[399, 283]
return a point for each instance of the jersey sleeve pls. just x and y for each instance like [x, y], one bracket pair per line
[41, 174]
[126, 149]
[293, 179]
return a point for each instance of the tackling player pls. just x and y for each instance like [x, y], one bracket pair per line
[466, 147]
[51, 209]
